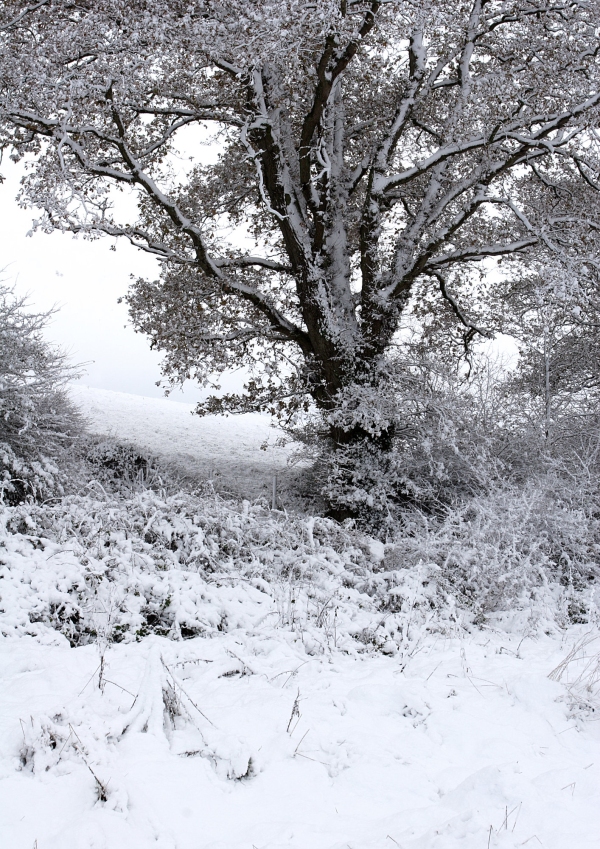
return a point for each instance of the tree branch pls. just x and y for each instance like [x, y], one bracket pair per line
[478, 252]
[28, 11]
[138, 176]
[327, 75]
[466, 322]
[249, 261]
[534, 141]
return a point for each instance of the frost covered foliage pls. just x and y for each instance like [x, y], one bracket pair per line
[118, 569]
[426, 435]
[38, 422]
[419, 435]
[115, 568]
[123, 466]
[514, 542]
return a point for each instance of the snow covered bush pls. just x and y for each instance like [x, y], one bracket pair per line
[511, 547]
[418, 436]
[117, 568]
[119, 464]
[38, 423]
[462, 483]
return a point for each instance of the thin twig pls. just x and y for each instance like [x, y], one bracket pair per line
[300, 743]
[91, 679]
[192, 702]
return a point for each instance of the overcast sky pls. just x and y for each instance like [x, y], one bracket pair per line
[85, 279]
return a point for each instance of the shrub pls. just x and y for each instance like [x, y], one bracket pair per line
[118, 464]
[38, 422]
[499, 551]
[418, 436]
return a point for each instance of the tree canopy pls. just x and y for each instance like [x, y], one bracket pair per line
[369, 154]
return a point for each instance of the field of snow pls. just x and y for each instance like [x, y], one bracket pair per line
[228, 450]
[303, 717]
[470, 745]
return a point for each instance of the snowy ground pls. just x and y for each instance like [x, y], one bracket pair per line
[228, 450]
[471, 745]
[257, 737]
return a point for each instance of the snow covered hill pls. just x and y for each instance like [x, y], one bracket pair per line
[228, 450]
[180, 673]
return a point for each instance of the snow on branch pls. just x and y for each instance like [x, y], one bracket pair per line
[361, 147]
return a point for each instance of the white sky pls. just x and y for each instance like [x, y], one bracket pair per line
[85, 279]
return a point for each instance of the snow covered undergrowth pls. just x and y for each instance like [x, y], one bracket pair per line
[119, 568]
[182, 671]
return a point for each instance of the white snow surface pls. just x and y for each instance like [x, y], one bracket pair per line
[469, 743]
[227, 449]
[278, 728]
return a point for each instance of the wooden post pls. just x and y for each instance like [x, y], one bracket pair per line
[274, 500]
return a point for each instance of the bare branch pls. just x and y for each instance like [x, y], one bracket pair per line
[479, 252]
[330, 66]
[248, 261]
[535, 140]
[458, 312]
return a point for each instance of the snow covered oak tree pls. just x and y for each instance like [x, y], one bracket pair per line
[369, 153]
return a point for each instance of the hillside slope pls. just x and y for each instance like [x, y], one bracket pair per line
[239, 453]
